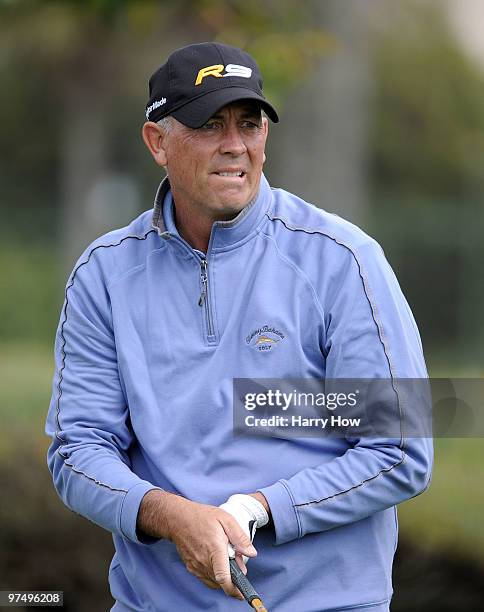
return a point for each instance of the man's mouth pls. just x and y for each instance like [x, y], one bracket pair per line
[233, 174]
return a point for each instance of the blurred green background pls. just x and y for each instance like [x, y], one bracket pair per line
[382, 122]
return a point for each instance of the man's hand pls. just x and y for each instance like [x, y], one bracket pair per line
[200, 533]
[250, 513]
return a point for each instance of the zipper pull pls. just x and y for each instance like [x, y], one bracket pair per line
[203, 295]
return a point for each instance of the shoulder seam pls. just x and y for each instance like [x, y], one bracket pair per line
[314, 230]
[298, 270]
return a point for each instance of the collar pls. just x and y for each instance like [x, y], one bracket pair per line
[224, 234]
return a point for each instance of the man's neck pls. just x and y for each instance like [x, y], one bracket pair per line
[196, 229]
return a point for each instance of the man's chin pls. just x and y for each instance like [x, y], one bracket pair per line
[232, 204]
[229, 209]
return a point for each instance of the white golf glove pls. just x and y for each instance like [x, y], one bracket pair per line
[249, 513]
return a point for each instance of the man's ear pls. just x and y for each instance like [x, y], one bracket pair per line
[265, 125]
[154, 138]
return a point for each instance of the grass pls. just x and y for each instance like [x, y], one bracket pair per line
[26, 372]
[447, 517]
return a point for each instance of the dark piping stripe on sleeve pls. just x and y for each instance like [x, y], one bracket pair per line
[63, 353]
[379, 327]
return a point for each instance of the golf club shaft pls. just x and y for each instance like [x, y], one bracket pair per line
[245, 587]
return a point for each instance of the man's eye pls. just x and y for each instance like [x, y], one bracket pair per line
[210, 125]
[250, 124]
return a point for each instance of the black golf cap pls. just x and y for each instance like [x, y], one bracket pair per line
[197, 80]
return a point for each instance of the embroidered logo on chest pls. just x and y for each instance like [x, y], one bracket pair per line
[265, 338]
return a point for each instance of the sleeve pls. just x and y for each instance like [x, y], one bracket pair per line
[88, 418]
[370, 333]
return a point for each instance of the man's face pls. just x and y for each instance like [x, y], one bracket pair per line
[215, 170]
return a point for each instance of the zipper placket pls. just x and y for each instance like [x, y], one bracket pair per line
[204, 300]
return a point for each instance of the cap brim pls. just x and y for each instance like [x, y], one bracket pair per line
[197, 112]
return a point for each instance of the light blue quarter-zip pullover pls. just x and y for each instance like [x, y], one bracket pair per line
[152, 334]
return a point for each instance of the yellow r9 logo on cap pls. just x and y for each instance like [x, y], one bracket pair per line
[230, 70]
[214, 70]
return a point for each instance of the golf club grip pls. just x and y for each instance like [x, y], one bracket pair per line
[241, 582]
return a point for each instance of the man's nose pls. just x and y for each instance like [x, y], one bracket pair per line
[232, 140]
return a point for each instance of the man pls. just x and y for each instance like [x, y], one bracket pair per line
[228, 278]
